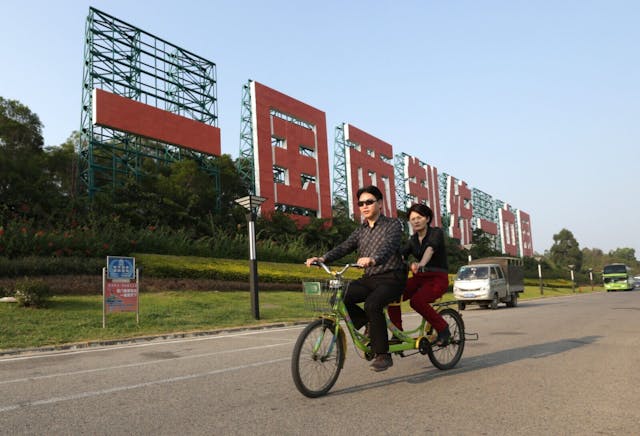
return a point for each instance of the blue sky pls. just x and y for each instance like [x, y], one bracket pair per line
[536, 103]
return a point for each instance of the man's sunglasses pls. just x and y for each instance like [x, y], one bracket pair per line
[367, 202]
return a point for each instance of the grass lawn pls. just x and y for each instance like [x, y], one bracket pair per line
[78, 319]
[71, 319]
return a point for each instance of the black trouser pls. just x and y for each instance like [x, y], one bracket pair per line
[376, 291]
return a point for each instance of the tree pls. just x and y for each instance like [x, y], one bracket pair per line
[482, 245]
[565, 250]
[593, 258]
[340, 207]
[324, 234]
[27, 188]
[276, 226]
[341, 226]
[624, 255]
[317, 233]
[20, 129]
[189, 187]
[60, 164]
[231, 188]
[456, 255]
[530, 266]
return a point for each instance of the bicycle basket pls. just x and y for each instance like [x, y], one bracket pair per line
[320, 296]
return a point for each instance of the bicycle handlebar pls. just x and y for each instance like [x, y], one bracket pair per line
[339, 273]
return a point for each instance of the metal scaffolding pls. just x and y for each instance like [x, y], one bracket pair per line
[402, 199]
[499, 204]
[341, 186]
[129, 62]
[245, 163]
[484, 207]
[446, 213]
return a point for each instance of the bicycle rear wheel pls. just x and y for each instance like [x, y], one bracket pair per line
[447, 356]
[318, 357]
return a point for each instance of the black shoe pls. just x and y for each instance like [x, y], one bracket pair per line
[444, 338]
[381, 362]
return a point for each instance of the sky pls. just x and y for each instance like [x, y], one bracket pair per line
[536, 103]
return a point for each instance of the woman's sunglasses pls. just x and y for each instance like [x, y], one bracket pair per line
[367, 202]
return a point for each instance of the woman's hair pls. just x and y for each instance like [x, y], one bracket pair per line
[421, 209]
[373, 190]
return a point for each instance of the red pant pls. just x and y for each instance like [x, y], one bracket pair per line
[423, 289]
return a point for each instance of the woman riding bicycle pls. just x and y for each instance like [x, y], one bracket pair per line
[430, 274]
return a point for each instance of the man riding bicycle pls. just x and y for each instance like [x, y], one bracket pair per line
[377, 242]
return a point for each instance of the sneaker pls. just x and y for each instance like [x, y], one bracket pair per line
[444, 337]
[395, 341]
[381, 362]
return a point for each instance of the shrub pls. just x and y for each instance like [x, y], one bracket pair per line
[44, 266]
[32, 293]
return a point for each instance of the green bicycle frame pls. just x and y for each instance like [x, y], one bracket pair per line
[410, 338]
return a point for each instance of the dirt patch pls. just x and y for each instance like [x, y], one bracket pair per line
[88, 285]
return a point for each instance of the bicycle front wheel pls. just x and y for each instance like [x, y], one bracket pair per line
[318, 357]
[447, 356]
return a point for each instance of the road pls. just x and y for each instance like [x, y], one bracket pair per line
[566, 365]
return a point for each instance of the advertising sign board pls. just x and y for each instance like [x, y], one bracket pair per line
[120, 287]
[119, 267]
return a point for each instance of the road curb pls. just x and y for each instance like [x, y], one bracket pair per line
[143, 339]
[149, 338]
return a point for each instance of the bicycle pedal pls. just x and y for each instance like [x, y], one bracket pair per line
[444, 344]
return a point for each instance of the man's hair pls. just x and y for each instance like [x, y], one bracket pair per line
[421, 209]
[373, 190]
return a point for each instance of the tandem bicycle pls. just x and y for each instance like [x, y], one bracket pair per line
[320, 350]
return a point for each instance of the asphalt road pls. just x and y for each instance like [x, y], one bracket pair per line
[567, 365]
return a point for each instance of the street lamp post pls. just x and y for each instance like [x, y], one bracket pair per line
[539, 259]
[573, 283]
[252, 203]
[468, 248]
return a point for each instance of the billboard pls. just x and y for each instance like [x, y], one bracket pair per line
[508, 231]
[421, 186]
[143, 99]
[459, 207]
[369, 161]
[146, 98]
[130, 116]
[291, 157]
[524, 232]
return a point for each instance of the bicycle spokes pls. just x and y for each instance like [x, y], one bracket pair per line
[446, 356]
[318, 357]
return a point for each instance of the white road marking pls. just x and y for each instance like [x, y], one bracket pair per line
[90, 394]
[131, 365]
[146, 344]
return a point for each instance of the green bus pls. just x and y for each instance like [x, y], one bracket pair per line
[617, 277]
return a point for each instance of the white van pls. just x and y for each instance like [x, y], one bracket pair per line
[488, 282]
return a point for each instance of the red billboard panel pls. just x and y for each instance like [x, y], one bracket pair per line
[130, 116]
[489, 227]
[422, 186]
[460, 210]
[370, 162]
[291, 156]
[524, 233]
[508, 231]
